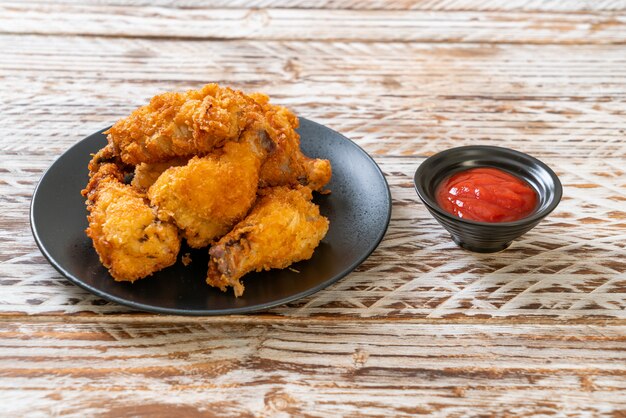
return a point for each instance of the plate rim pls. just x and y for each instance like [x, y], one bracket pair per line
[142, 307]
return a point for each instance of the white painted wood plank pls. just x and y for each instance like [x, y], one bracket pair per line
[317, 368]
[313, 24]
[569, 6]
[393, 99]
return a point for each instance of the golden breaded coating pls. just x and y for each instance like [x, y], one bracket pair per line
[283, 227]
[126, 233]
[146, 174]
[286, 165]
[183, 124]
[206, 197]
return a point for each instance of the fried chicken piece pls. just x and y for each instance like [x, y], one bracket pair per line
[146, 174]
[183, 124]
[126, 233]
[286, 165]
[283, 227]
[206, 197]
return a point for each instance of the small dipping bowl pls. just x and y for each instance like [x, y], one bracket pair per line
[487, 237]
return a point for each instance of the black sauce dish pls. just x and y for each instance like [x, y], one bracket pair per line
[486, 237]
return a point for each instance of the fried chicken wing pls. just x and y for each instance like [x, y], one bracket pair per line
[183, 124]
[283, 227]
[206, 197]
[286, 165]
[126, 233]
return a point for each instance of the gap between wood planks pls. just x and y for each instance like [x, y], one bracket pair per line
[141, 318]
[325, 40]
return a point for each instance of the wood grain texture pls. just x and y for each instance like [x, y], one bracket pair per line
[50, 18]
[570, 6]
[392, 98]
[312, 369]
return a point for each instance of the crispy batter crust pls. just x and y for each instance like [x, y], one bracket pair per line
[183, 124]
[283, 227]
[146, 174]
[286, 165]
[126, 233]
[206, 197]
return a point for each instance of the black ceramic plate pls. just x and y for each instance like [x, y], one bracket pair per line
[358, 208]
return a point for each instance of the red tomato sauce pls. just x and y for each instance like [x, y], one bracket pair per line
[486, 195]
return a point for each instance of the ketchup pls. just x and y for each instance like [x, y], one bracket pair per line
[486, 195]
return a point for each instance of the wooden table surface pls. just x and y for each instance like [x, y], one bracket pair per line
[421, 327]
